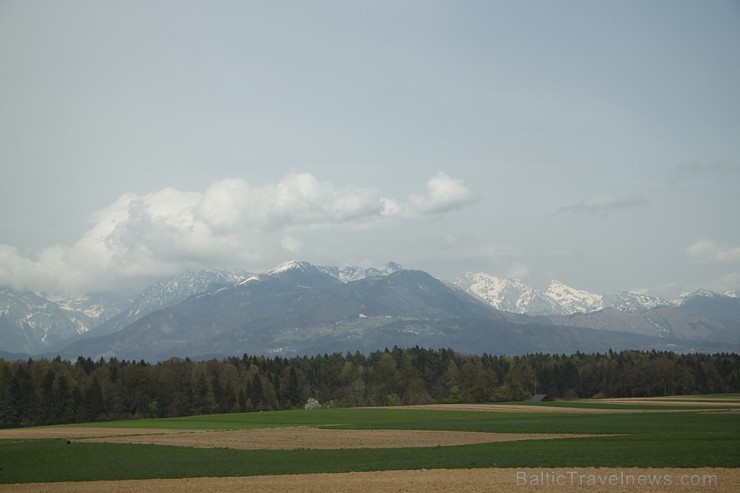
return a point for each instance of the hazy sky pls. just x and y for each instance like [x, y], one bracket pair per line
[593, 142]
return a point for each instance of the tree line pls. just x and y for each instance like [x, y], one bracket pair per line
[39, 392]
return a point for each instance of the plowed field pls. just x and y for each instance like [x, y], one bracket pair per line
[318, 438]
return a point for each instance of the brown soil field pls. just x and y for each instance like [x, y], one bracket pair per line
[427, 481]
[278, 438]
[319, 438]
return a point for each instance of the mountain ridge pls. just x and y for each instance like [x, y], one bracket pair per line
[276, 311]
[357, 304]
[514, 296]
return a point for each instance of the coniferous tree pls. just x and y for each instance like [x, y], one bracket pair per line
[93, 401]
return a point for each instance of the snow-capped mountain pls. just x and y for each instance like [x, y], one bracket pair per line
[349, 273]
[296, 295]
[509, 295]
[699, 293]
[573, 300]
[345, 273]
[33, 322]
[297, 308]
[302, 274]
[170, 291]
[290, 309]
[512, 295]
[704, 294]
[631, 302]
[175, 289]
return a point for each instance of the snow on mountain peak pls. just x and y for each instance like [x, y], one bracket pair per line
[699, 293]
[349, 273]
[253, 278]
[290, 265]
[510, 295]
[630, 301]
[345, 273]
[574, 300]
[704, 293]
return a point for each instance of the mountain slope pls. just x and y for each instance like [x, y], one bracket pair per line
[32, 323]
[628, 301]
[249, 317]
[664, 322]
[171, 291]
[711, 305]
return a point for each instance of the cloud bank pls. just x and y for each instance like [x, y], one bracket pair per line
[232, 223]
[708, 251]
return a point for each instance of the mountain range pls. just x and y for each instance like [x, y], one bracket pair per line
[299, 308]
[514, 296]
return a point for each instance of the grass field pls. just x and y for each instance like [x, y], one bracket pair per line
[649, 435]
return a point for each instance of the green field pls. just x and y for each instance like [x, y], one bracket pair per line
[672, 437]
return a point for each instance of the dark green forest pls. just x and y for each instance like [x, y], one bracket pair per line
[40, 392]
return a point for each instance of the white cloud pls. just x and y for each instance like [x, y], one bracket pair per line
[297, 200]
[232, 223]
[602, 204]
[709, 251]
[444, 194]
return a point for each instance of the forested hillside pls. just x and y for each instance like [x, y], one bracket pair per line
[37, 392]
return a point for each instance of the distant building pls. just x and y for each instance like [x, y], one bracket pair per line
[540, 398]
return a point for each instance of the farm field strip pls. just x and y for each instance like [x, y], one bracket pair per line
[673, 402]
[324, 438]
[716, 480]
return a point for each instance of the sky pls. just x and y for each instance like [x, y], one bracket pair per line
[592, 142]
